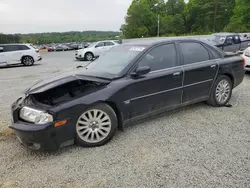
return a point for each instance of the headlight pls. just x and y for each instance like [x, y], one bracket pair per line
[247, 53]
[35, 116]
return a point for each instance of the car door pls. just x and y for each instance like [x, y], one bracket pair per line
[3, 60]
[99, 48]
[232, 44]
[200, 68]
[161, 88]
[13, 54]
[109, 45]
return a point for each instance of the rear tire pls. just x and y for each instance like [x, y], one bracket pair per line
[221, 92]
[96, 126]
[27, 61]
[88, 56]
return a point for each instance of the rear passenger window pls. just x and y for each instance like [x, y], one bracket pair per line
[23, 47]
[161, 57]
[215, 54]
[109, 44]
[193, 52]
[236, 39]
[10, 48]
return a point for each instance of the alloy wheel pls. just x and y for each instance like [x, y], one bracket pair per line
[89, 57]
[93, 126]
[28, 61]
[222, 92]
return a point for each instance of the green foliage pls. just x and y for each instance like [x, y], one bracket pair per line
[180, 18]
[140, 20]
[5, 39]
[73, 36]
[45, 38]
[240, 21]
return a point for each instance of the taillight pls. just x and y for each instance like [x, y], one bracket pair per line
[37, 51]
[243, 61]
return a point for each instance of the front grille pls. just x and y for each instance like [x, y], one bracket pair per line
[248, 66]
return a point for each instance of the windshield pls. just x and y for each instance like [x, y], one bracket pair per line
[116, 59]
[219, 39]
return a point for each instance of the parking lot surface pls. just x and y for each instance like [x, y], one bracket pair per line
[197, 146]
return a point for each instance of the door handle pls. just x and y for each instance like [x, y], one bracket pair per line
[212, 66]
[177, 74]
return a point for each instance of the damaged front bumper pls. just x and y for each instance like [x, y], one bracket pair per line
[36, 136]
[40, 136]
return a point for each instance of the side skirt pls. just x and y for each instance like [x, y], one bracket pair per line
[162, 110]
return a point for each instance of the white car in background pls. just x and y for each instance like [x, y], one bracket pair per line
[18, 53]
[94, 50]
[246, 56]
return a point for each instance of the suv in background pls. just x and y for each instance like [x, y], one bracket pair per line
[18, 53]
[94, 50]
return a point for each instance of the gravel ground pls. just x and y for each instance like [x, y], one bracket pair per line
[197, 146]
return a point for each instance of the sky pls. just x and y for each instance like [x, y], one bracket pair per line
[36, 16]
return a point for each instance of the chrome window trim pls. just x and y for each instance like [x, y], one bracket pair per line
[202, 62]
[161, 70]
[197, 63]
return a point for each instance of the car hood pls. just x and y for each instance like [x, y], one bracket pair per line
[66, 77]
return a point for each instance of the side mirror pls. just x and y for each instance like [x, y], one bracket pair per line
[140, 71]
[1, 49]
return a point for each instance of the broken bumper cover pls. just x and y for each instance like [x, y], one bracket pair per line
[33, 138]
[41, 137]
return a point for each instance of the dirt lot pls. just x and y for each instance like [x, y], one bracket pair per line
[197, 146]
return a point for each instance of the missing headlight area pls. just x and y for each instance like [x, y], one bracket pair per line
[66, 92]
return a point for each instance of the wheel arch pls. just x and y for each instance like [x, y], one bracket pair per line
[89, 52]
[231, 77]
[26, 56]
[118, 114]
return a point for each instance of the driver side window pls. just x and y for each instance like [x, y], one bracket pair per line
[100, 44]
[160, 57]
[229, 40]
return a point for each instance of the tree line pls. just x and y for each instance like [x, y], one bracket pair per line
[57, 37]
[5, 39]
[180, 18]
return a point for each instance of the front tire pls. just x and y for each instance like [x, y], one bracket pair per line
[96, 126]
[221, 92]
[88, 56]
[27, 61]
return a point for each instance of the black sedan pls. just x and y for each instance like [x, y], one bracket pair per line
[129, 82]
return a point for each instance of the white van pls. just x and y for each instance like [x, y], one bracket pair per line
[18, 53]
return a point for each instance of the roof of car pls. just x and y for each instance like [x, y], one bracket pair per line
[151, 41]
[15, 44]
[225, 34]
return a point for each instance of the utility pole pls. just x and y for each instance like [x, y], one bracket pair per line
[158, 33]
